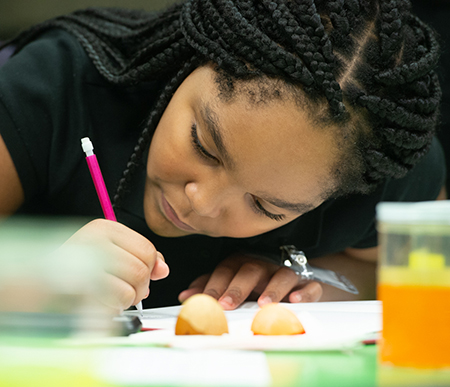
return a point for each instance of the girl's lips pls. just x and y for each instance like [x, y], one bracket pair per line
[172, 215]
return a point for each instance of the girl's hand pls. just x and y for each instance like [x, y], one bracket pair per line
[132, 261]
[240, 276]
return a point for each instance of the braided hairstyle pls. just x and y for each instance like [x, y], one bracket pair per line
[365, 67]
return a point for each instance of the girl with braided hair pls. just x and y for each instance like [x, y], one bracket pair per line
[251, 125]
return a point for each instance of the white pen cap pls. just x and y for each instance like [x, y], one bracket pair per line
[87, 146]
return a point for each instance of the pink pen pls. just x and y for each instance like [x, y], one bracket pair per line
[100, 187]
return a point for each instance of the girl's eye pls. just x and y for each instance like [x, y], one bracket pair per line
[198, 145]
[202, 152]
[257, 206]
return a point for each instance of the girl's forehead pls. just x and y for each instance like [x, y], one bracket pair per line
[272, 146]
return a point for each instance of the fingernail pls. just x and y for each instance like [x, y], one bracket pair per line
[266, 300]
[159, 257]
[148, 292]
[297, 297]
[227, 301]
[163, 262]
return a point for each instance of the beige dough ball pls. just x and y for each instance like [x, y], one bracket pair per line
[201, 315]
[274, 319]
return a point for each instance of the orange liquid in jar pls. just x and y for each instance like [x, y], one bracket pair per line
[416, 325]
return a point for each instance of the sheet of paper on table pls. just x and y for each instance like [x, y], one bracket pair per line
[328, 326]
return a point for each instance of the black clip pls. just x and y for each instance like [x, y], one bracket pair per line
[296, 260]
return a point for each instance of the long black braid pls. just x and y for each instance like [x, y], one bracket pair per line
[369, 62]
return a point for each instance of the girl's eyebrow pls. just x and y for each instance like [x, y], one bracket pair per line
[214, 129]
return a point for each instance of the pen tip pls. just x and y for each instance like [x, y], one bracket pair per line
[140, 309]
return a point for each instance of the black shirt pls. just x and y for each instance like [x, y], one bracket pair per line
[51, 96]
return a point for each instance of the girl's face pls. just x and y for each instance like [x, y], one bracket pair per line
[234, 169]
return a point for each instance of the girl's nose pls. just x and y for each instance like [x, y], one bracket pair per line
[206, 198]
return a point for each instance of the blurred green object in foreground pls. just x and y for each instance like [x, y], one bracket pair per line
[46, 289]
[46, 367]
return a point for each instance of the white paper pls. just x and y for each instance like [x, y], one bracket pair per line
[328, 326]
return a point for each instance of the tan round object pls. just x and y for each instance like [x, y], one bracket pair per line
[201, 315]
[274, 319]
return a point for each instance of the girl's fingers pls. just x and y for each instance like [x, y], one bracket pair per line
[281, 283]
[106, 233]
[133, 258]
[133, 271]
[160, 269]
[311, 292]
[116, 293]
[195, 287]
[237, 277]
[220, 278]
[131, 241]
[246, 279]
[185, 294]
